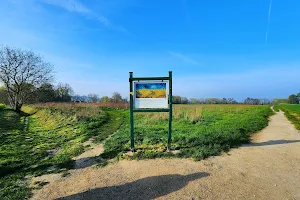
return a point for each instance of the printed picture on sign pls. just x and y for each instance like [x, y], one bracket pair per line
[151, 90]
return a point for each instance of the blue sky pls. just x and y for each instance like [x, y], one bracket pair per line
[215, 48]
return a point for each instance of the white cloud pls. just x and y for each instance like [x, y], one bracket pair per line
[184, 58]
[70, 5]
[269, 19]
[77, 7]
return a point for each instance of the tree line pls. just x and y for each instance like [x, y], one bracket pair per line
[292, 99]
[250, 101]
[46, 92]
[94, 98]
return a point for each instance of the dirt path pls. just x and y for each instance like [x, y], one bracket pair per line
[269, 168]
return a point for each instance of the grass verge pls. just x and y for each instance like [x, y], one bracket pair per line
[291, 111]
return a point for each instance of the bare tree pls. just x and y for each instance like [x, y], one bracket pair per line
[63, 92]
[21, 71]
[116, 97]
[93, 98]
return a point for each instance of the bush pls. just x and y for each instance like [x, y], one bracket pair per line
[2, 106]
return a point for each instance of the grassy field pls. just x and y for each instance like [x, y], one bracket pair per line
[291, 111]
[54, 135]
[56, 132]
[199, 131]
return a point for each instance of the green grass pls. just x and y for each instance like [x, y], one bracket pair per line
[53, 137]
[199, 131]
[291, 111]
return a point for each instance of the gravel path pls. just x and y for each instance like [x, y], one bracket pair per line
[268, 168]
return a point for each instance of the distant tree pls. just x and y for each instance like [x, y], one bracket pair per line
[79, 98]
[104, 99]
[212, 101]
[248, 101]
[184, 100]
[224, 101]
[234, 102]
[194, 101]
[125, 100]
[255, 101]
[116, 97]
[46, 93]
[265, 101]
[231, 101]
[252, 101]
[298, 97]
[20, 70]
[93, 98]
[176, 99]
[293, 99]
[63, 92]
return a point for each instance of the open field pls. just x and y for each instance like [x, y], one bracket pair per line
[199, 131]
[56, 133]
[291, 111]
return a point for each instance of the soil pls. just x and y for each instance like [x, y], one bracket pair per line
[267, 168]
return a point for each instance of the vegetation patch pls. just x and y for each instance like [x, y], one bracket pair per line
[53, 137]
[199, 131]
[291, 111]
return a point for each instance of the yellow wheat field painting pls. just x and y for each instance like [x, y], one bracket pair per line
[151, 90]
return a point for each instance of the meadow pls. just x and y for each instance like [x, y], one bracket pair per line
[199, 131]
[291, 111]
[56, 133]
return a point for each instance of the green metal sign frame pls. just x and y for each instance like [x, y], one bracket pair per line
[132, 110]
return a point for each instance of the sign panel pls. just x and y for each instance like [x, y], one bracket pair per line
[151, 94]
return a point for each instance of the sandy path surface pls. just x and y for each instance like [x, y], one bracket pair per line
[269, 168]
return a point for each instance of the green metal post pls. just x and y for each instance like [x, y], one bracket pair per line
[131, 113]
[170, 112]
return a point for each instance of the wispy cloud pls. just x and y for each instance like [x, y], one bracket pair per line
[184, 58]
[269, 18]
[77, 7]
